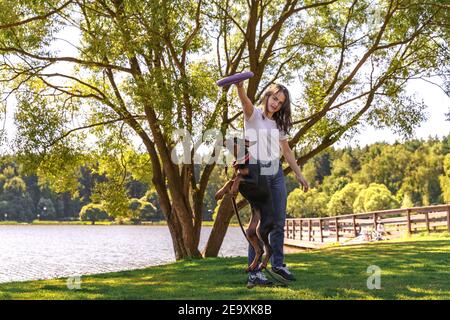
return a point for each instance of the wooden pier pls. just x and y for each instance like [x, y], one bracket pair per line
[347, 229]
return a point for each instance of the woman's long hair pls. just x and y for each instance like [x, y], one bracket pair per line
[283, 116]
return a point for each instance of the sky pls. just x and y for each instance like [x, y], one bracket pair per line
[438, 104]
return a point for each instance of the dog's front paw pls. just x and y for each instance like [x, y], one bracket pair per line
[262, 266]
[252, 267]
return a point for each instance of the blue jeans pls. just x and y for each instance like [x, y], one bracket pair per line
[279, 198]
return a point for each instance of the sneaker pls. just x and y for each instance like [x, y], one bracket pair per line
[258, 279]
[281, 273]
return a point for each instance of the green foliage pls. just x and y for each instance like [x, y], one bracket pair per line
[342, 201]
[291, 182]
[40, 120]
[309, 171]
[134, 205]
[33, 34]
[332, 184]
[139, 166]
[149, 212]
[15, 185]
[151, 197]
[9, 172]
[4, 209]
[407, 201]
[60, 169]
[445, 180]
[15, 200]
[28, 190]
[421, 168]
[341, 169]
[46, 209]
[93, 212]
[305, 205]
[345, 166]
[2, 181]
[124, 174]
[202, 86]
[387, 166]
[423, 171]
[134, 209]
[113, 198]
[413, 171]
[375, 197]
[140, 210]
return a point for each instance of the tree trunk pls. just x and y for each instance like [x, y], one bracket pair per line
[177, 236]
[181, 214]
[183, 243]
[220, 228]
[198, 213]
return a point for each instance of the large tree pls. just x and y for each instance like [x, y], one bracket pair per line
[145, 68]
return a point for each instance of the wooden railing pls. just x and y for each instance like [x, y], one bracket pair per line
[338, 228]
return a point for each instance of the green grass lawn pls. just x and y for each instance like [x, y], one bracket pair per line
[411, 268]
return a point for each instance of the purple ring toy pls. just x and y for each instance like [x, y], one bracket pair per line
[235, 78]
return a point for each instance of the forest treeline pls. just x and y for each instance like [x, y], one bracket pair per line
[376, 177]
[349, 180]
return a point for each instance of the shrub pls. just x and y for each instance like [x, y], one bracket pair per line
[375, 197]
[342, 201]
[307, 205]
[93, 212]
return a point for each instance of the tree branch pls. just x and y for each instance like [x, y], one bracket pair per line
[35, 18]
[343, 47]
[64, 59]
[92, 126]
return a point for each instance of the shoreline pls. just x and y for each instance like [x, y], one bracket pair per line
[98, 223]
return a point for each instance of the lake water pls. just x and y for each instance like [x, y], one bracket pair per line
[45, 252]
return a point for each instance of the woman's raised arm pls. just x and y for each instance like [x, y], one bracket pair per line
[247, 105]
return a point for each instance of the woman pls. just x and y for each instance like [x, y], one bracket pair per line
[269, 128]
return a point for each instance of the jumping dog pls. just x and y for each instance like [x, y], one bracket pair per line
[253, 186]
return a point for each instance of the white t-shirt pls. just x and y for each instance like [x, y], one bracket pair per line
[266, 134]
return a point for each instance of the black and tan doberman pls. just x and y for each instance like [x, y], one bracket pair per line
[253, 186]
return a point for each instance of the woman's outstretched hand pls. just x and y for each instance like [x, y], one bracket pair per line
[302, 182]
[240, 84]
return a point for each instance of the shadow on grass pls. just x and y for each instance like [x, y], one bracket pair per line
[409, 270]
